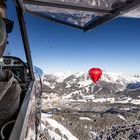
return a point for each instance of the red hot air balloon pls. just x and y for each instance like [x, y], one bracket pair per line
[95, 74]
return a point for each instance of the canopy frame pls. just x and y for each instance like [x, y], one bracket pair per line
[109, 13]
[24, 35]
[123, 8]
[69, 6]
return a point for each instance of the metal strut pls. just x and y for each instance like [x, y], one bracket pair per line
[123, 8]
[69, 6]
[24, 38]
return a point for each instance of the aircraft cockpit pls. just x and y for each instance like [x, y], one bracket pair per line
[19, 68]
[21, 74]
[80, 14]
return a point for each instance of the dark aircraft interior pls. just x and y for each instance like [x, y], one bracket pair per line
[21, 74]
[19, 68]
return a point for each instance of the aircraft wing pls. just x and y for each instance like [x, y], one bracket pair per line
[82, 14]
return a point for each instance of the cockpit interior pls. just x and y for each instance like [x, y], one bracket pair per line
[22, 76]
[19, 68]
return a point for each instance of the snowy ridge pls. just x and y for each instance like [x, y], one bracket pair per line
[79, 87]
[60, 76]
[108, 77]
[75, 106]
[120, 77]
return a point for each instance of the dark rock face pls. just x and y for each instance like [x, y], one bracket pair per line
[94, 118]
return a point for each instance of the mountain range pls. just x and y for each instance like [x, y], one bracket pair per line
[74, 108]
[79, 86]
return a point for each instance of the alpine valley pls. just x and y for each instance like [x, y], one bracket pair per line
[74, 108]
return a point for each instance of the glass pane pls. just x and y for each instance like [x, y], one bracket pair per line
[99, 3]
[71, 16]
[134, 13]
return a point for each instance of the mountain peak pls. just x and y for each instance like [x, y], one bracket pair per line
[110, 77]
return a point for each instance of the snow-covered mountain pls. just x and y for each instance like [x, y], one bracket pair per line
[79, 86]
[82, 79]
[75, 108]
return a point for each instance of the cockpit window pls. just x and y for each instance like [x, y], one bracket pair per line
[80, 13]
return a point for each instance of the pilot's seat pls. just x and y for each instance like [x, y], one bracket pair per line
[9, 96]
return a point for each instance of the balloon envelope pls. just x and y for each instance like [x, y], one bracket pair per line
[95, 74]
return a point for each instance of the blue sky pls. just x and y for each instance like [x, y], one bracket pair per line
[114, 46]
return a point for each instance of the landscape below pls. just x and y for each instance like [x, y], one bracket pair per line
[74, 108]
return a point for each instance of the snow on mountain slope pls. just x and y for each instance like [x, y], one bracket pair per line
[60, 76]
[77, 109]
[120, 77]
[84, 79]
[112, 87]
[80, 83]
[54, 127]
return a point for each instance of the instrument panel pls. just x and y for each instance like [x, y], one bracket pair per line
[19, 68]
[12, 62]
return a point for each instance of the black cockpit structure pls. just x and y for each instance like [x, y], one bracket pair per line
[81, 14]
